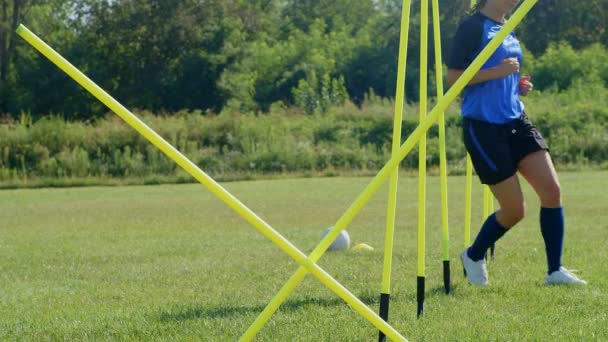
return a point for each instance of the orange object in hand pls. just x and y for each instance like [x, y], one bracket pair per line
[524, 81]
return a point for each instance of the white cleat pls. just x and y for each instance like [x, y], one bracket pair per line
[476, 271]
[563, 277]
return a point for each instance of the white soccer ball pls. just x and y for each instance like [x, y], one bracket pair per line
[341, 243]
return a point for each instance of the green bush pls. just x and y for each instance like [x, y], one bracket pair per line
[560, 66]
[232, 145]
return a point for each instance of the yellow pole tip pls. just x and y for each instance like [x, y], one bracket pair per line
[21, 29]
[362, 247]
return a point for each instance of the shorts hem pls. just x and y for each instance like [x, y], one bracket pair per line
[496, 180]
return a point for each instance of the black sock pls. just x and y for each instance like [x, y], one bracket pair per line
[490, 232]
[552, 228]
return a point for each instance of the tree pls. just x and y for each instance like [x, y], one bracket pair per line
[10, 13]
[243, 54]
[335, 13]
[36, 13]
[580, 23]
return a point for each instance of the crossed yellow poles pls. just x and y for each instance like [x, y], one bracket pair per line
[308, 264]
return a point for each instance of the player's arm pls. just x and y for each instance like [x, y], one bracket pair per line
[507, 67]
[465, 47]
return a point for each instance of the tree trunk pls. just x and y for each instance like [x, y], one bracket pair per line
[11, 34]
[3, 41]
[3, 54]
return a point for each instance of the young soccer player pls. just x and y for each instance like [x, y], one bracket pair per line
[503, 142]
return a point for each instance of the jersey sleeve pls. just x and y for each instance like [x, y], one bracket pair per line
[465, 44]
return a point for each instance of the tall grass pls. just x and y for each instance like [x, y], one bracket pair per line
[229, 145]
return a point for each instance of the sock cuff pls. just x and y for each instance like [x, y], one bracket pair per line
[551, 210]
[498, 224]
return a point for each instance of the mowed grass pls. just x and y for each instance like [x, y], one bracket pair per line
[175, 263]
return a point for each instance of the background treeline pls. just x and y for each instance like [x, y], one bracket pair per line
[246, 87]
[245, 55]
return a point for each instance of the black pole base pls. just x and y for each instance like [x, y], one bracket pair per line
[384, 304]
[492, 251]
[446, 276]
[420, 297]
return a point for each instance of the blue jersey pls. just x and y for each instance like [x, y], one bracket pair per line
[495, 101]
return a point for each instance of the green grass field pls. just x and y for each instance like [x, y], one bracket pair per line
[174, 263]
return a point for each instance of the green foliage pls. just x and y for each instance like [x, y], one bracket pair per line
[580, 23]
[242, 56]
[273, 69]
[261, 64]
[342, 139]
[561, 65]
[317, 96]
[575, 122]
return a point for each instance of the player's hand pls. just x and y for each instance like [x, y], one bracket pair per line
[525, 86]
[508, 66]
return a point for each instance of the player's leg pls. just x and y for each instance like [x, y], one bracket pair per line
[488, 146]
[512, 209]
[537, 168]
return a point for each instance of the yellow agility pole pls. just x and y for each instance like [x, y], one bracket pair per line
[488, 208]
[392, 192]
[488, 204]
[385, 172]
[468, 190]
[485, 210]
[443, 163]
[209, 183]
[424, 44]
[491, 206]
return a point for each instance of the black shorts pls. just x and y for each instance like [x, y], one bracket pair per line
[497, 149]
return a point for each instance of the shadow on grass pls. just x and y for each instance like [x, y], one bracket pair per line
[440, 290]
[201, 312]
[430, 292]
